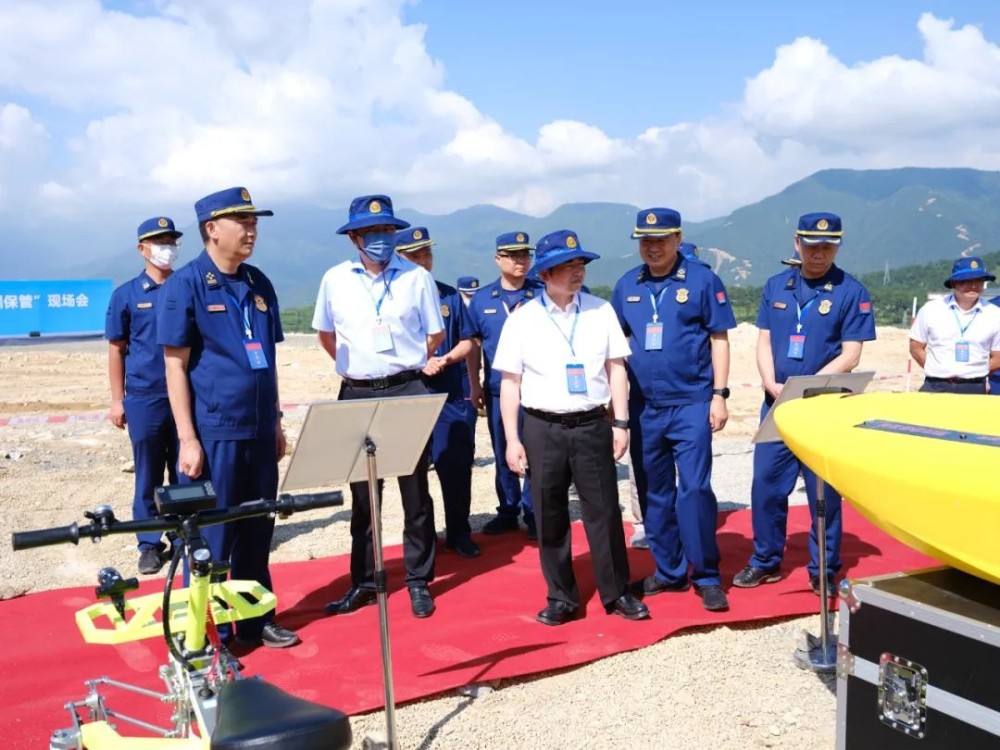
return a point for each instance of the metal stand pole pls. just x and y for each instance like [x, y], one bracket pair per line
[383, 598]
[821, 657]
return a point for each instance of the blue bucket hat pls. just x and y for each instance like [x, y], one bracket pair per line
[230, 201]
[656, 222]
[157, 225]
[371, 211]
[965, 269]
[468, 283]
[820, 228]
[513, 241]
[557, 248]
[414, 238]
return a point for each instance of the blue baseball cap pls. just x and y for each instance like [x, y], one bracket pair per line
[557, 248]
[656, 222]
[513, 242]
[412, 239]
[157, 225]
[229, 201]
[468, 283]
[371, 211]
[819, 228]
[966, 269]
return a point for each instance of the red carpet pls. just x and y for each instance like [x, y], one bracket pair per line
[484, 628]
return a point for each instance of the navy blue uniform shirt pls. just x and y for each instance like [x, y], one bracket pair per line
[488, 311]
[691, 303]
[831, 310]
[450, 379]
[131, 317]
[204, 309]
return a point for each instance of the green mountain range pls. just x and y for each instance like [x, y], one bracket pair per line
[892, 218]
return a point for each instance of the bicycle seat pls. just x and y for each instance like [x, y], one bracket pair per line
[254, 714]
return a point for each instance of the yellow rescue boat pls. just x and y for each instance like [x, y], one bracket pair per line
[923, 467]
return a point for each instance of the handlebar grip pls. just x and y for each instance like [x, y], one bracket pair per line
[44, 537]
[297, 503]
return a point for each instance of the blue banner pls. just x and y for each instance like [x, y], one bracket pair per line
[47, 308]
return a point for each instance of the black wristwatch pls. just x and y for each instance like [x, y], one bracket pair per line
[623, 423]
[724, 392]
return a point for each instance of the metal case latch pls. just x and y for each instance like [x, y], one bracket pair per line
[902, 695]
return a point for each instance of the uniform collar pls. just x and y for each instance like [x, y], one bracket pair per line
[677, 273]
[214, 278]
[530, 289]
[146, 282]
[395, 263]
[553, 307]
[950, 301]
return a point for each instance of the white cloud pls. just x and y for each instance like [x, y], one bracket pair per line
[319, 100]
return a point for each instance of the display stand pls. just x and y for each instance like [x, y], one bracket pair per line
[338, 443]
[820, 654]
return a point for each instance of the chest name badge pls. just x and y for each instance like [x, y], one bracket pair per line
[382, 337]
[144, 305]
[824, 307]
[490, 311]
[654, 336]
[633, 299]
[445, 311]
[255, 354]
[961, 351]
[216, 308]
[779, 305]
[576, 378]
[797, 346]
[260, 302]
[682, 295]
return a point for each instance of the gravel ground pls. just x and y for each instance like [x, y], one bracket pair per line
[719, 687]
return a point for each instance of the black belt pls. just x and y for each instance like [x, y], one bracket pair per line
[932, 379]
[569, 420]
[389, 381]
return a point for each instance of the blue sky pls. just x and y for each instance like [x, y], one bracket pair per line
[114, 109]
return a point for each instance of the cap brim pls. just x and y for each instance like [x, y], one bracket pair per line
[373, 221]
[819, 240]
[173, 233]
[962, 277]
[559, 259]
[412, 248]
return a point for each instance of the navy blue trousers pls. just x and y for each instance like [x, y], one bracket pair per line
[154, 452]
[679, 508]
[453, 451]
[512, 498]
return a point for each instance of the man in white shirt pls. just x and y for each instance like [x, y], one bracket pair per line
[956, 339]
[563, 358]
[378, 317]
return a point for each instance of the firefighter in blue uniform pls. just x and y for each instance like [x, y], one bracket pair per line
[452, 441]
[813, 319]
[219, 323]
[472, 380]
[488, 311]
[138, 383]
[677, 316]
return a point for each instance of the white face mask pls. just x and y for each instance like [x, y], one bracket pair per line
[163, 256]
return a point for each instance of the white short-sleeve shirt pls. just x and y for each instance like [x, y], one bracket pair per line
[351, 303]
[535, 344]
[940, 323]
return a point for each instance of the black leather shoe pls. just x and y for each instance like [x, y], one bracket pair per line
[751, 577]
[651, 586]
[500, 525]
[529, 521]
[628, 607]
[556, 613]
[713, 598]
[352, 601]
[275, 636]
[831, 590]
[421, 601]
[464, 546]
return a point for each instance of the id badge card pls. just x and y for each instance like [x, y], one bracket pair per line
[797, 346]
[654, 336]
[382, 337]
[576, 379]
[255, 354]
[961, 351]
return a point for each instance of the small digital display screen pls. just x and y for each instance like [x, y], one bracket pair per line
[185, 493]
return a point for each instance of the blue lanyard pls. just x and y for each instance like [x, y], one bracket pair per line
[385, 291]
[799, 311]
[572, 331]
[655, 301]
[958, 322]
[245, 308]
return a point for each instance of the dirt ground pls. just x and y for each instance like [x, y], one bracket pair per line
[722, 687]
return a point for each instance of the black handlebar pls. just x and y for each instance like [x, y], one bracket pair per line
[105, 523]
